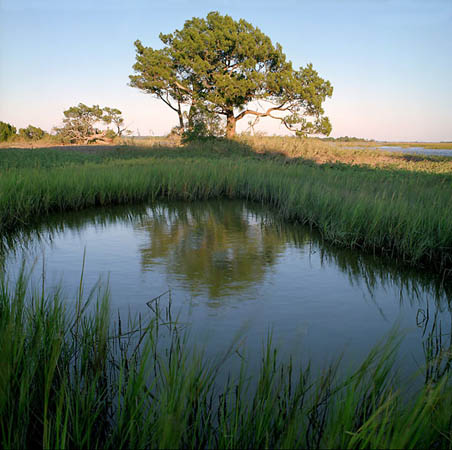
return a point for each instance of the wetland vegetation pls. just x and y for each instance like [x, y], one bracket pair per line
[74, 378]
[401, 213]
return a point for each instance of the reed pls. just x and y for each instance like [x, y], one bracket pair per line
[71, 377]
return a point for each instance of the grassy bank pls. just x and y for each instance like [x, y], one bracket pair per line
[352, 153]
[312, 151]
[403, 214]
[70, 379]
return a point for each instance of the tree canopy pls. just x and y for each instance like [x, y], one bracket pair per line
[81, 121]
[114, 116]
[226, 65]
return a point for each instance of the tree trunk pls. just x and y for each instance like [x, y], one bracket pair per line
[191, 114]
[230, 125]
[181, 117]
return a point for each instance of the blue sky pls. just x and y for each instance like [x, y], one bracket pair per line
[390, 62]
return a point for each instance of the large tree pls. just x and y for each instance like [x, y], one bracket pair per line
[226, 65]
[157, 75]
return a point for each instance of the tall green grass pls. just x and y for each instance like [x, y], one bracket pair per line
[402, 214]
[71, 379]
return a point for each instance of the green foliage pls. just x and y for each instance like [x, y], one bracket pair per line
[202, 124]
[31, 133]
[157, 76]
[110, 134]
[80, 124]
[225, 65]
[197, 132]
[113, 116]
[347, 139]
[7, 131]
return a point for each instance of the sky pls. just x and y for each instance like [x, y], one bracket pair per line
[390, 62]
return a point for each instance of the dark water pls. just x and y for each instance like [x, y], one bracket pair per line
[417, 150]
[235, 272]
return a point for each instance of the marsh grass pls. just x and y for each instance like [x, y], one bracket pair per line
[71, 377]
[359, 153]
[287, 149]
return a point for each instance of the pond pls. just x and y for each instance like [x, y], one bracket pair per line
[236, 272]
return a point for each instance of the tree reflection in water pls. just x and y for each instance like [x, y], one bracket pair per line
[221, 247]
[226, 246]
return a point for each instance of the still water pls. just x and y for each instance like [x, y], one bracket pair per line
[236, 272]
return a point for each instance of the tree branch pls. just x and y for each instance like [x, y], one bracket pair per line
[264, 114]
[182, 87]
[166, 101]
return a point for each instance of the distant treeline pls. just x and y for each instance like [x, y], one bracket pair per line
[347, 139]
[9, 132]
[80, 126]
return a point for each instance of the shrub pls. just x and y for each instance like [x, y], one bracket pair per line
[6, 131]
[32, 133]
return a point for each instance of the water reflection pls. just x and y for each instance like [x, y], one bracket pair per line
[221, 247]
[227, 246]
[242, 265]
[413, 285]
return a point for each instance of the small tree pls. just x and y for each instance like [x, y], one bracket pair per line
[226, 65]
[113, 116]
[6, 131]
[202, 123]
[80, 123]
[32, 133]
